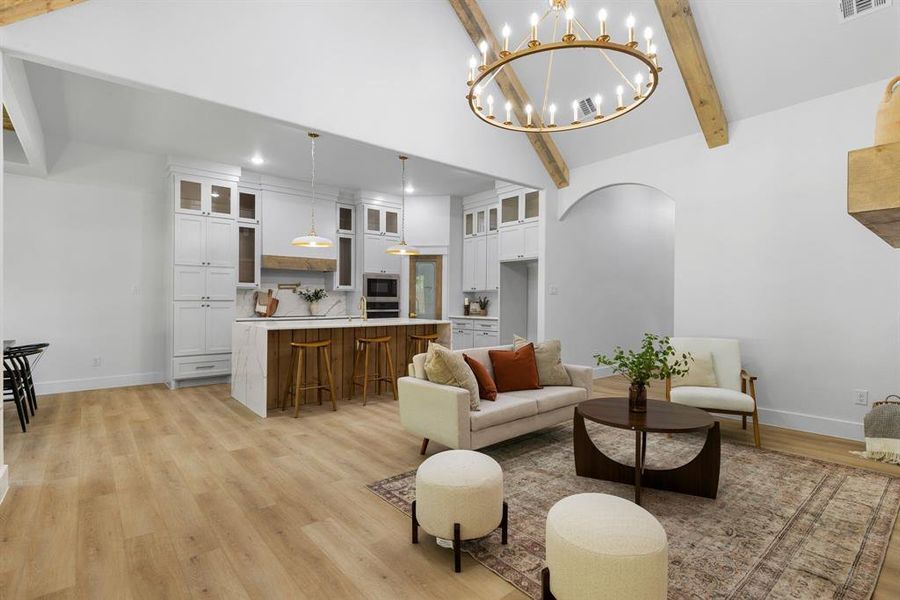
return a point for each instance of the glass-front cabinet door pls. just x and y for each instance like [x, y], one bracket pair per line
[492, 219]
[509, 210]
[469, 221]
[480, 221]
[344, 218]
[248, 206]
[391, 222]
[208, 197]
[373, 220]
[345, 265]
[248, 256]
[190, 196]
[221, 200]
[532, 206]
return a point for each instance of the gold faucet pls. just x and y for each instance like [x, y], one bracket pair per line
[362, 308]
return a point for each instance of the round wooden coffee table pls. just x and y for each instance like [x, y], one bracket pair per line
[699, 477]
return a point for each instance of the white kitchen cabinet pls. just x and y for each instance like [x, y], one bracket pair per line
[480, 260]
[469, 283]
[190, 283]
[480, 221]
[219, 318]
[249, 206]
[346, 265]
[519, 207]
[462, 339]
[485, 339]
[382, 221]
[519, 243]
[220, 242]
[205, 197]
[202, 327]
[376, 259]
[344, 217]
[190, 328]
[220, 283]
[492, 262]
[190, 233]
[249, 260]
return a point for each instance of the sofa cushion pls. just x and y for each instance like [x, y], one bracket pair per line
[487, 389]
[701, 372]
[482, 356]
[504, 409]
[551, 398]
[548, 356]
[712, 398]
[449, 368]
[515, 369]
[418, 364]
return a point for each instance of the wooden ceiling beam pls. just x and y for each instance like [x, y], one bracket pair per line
[7, 122]
[476, 25]
[681, 30]
[18, 10]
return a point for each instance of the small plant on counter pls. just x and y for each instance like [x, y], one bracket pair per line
[312, 297]
[483, 302]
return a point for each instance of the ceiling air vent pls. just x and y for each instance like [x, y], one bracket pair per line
[587, 107]
[850, 9]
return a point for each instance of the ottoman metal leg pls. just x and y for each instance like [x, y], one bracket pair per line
[415, 524]
[457, 558]
[546, 594]
[504, 524]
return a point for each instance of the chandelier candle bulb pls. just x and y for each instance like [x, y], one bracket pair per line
[528, 114]
[648, 35]
[604, 36]
[490, 101]
[473, 64]
[570, 26]
[552, 115]
[506, 32]
[508, 107]
[484, 48]
[598, 102]
[575, 120]
[619, 91]
[535, 19]
[639, 85]
[478, 97]
[630, 23]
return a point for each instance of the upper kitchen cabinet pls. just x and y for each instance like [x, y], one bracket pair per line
[380, 220]
[205, 197]
[249, 206]
[480, 221]
[344, 217]
[519, 207]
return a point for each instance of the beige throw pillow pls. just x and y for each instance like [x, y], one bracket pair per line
[449, 368]
[702, 372]
[548, 356]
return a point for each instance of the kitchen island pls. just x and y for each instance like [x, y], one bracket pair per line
[261, 352]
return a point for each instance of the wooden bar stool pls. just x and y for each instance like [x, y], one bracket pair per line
[418, 343]
[296, 387]
[362, 352]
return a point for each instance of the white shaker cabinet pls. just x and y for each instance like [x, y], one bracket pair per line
[219, 318]
[220, 243]
[190, 328]
[492, 262]
[190, 234]
[519, 243]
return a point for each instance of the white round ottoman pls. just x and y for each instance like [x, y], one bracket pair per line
[601, 546]
[459, 496]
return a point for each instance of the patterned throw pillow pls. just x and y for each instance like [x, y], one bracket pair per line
[449, 368]
[548, 355]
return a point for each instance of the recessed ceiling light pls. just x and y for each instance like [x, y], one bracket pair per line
[410, 189]
[257, 159]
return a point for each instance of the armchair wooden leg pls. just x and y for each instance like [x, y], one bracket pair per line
[546, 594]
[457, 552]
[756, 438]
[744, 422]
[415, 524]
[424, 446]
[504, 524]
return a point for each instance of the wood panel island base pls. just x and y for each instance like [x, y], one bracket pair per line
[261, 353]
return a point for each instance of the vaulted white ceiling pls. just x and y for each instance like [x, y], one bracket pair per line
[764, 55]
[86, 109]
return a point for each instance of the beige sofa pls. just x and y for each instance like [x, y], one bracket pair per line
[441, 412]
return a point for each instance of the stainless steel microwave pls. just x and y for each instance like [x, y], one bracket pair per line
[381, 287]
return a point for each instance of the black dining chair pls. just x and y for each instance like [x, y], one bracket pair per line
[14, 391]
[18, 381]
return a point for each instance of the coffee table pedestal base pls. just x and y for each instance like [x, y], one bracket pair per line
[699, 477]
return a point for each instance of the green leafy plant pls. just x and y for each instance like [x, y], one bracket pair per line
[655, 359]
[313, 295]
[483, 302]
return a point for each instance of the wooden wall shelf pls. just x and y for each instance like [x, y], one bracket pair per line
[297, 263]
[873, 190]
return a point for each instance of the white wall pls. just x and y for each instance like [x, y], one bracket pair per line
[765, 252]
[83, 265]
[619, 273]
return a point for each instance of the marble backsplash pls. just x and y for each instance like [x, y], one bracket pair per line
[291, 304]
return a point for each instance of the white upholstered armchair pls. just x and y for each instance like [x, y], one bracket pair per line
[734, 392]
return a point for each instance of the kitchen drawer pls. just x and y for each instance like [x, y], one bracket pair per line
[462, 339]
[201, 366]
[485, 339]
[461, 324]
[486, 326]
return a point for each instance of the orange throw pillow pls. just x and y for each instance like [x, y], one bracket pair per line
[487, 390]
[515, 369]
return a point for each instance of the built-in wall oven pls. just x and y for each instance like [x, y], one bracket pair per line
[382, 293]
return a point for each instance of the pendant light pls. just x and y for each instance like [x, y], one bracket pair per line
[402, 249]
[312, 239]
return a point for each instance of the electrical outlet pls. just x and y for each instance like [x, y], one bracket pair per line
[96, 361]
[554, 290]
[861, 397]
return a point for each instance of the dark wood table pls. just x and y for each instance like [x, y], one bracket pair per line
[699, 477]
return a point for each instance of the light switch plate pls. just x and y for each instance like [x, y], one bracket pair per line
[554, 290]
[861, 397]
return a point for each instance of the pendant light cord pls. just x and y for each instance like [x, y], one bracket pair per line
[403, 200]
[312, 152]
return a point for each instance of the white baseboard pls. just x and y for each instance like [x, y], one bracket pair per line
[97, 383]
[4, 481]
[811, 423]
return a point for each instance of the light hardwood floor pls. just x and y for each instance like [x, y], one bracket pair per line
[148, 493]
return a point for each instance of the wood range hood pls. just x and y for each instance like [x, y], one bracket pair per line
[873, 190]
[299, 263]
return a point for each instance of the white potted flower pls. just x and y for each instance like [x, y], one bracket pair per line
[313, 297]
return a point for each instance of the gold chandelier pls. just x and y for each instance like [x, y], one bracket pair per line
[629, 95]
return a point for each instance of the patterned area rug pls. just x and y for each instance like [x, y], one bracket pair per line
[782, 526]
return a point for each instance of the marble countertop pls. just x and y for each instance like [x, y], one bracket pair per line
[476, 317]
[333, 323]
[299, 318]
